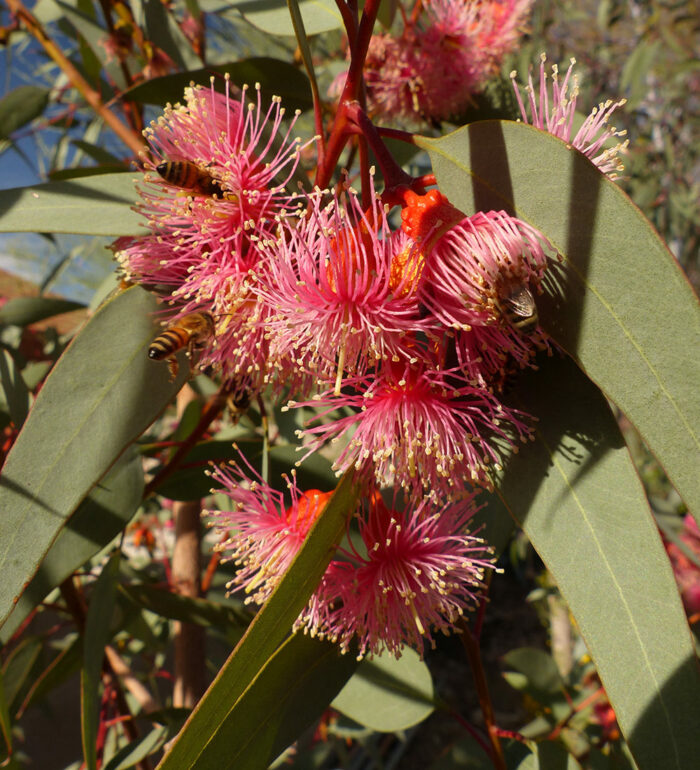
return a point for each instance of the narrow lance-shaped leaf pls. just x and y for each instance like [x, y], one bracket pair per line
[620, 304]
[21, 106]
[100, 396]
[577, 497]
[204, 741]
[100, 205]
[292, 690]
[97, 635]
[99, 518]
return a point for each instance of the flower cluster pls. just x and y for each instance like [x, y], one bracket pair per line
[399, 336]
[445, 54]
[411, 571]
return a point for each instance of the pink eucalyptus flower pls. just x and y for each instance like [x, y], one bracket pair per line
[442, 58]
[335, 290]
[207, 219]
[557, 118]
[265, 534]
[425, 430]
[418, 572]
[472, 264]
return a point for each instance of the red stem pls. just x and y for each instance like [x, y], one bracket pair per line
[351, 92]
[471, 647]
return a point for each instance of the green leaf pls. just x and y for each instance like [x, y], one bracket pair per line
[99, 518]
[5, 721]
[100, 396]
[619, 304]
[100, 205]
[272, 16]
[549, 755]
[98, 632]
[95, 36]
[276, 78]
[386, 694]
[21, 106]
[177, 607]
[203, 742]
[61, 668]
[15, 389]
[22, 311]
[577, 497]
[19, 666]
[292, 691]
[534, 672]
[137, 750]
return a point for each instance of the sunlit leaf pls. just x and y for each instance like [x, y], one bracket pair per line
[204, 741]
[387, 694]
[100, 205]
[100, 396]
[577, 497]
[272, 16]
[619, 304]
[99, 518]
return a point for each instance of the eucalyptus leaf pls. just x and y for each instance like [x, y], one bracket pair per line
[272, 16]
[204, 741]
[388, 694]
[276, 78]
[292, 690]
[22, 311]
[100, 517]
[14, 388]
[20, 106]
[577, 497]
[98, 398]
[619, 303]
[97, 635]
[139, 749]
[99, 205]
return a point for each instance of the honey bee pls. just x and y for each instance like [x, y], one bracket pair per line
[189, 176]
[190, 332]
[519, 307]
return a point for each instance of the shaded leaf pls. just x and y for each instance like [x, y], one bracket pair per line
[619, 304]
[387, 694]
[99, 518]
[549, 755]
[292, 690]
[98, 632]
[20, 106]
[22, 311]
[100, 205]
[99, 397]
[204, 742]
[14, 388]
[5, 721]
[19, 666]
[63, 666]
[137, 750]
[577, 497]
[276, 78]
[177, 607]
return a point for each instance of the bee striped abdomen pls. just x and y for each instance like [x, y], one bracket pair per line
[168, 343]
[189, 176]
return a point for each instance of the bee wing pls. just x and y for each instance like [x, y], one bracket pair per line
[521, 302]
